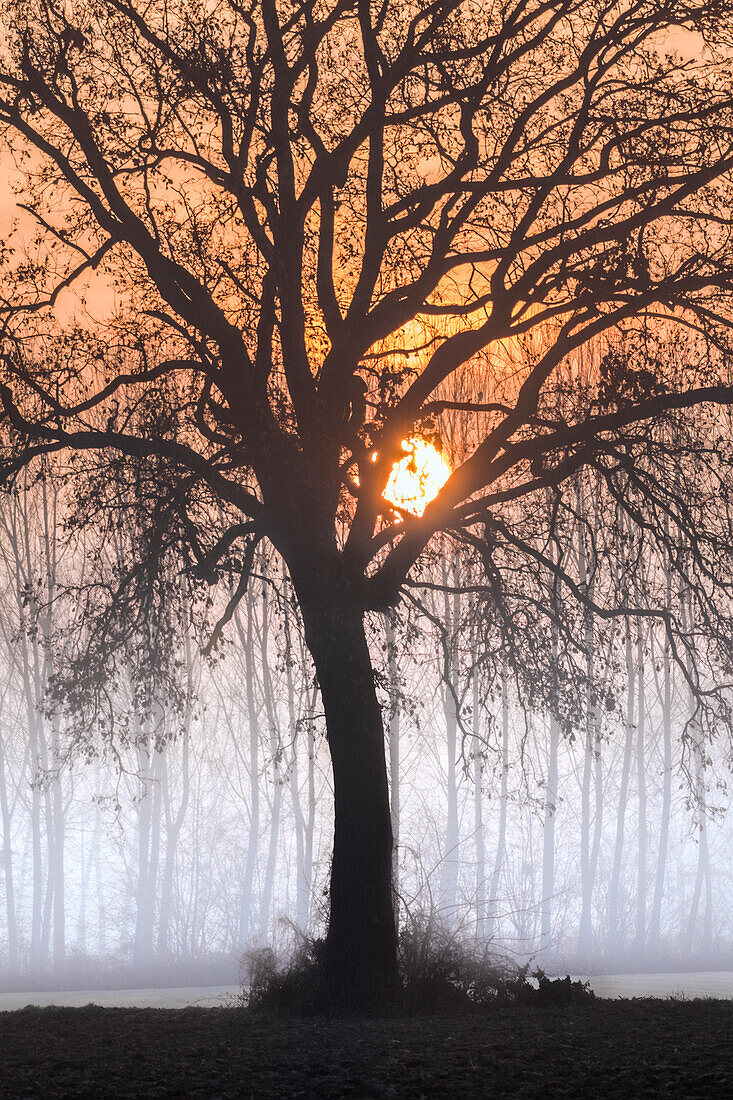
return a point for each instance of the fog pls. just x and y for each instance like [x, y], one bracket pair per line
[164, 851]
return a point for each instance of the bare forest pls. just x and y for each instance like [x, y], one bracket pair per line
[187, 825]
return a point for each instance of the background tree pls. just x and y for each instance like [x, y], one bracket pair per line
[279, 195]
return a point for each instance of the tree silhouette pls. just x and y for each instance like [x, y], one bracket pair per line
[313, 215]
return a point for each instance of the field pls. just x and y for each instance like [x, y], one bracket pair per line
[687, 985]
[619, 1048]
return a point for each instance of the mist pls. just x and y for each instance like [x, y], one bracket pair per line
[170, 847]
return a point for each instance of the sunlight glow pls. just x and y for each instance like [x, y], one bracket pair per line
[418, 477]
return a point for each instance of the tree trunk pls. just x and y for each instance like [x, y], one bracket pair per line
[548, 835]
[360, 963]
[149, 760]
[85, 863]
[585, 933]
[50, 851]
[247, 640]
[144, 815]
[703, 852]
[614, 930]
[174, 823]
[548, 829]
[641, 878]
[478, 800]
[101, 907]
[268, 886]
[656, 917]
[13, 958]
[394, 755]
[276, 755]
[310, 821]
[450, 691]
[586, 578]
[699, 755]
[59, 829]
[302, 884]
[501, 840]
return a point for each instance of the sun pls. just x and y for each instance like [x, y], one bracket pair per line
[417, 478]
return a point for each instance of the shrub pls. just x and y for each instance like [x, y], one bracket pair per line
[441, 973]
[292, 988]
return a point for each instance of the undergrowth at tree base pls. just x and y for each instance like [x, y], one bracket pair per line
[440, 974]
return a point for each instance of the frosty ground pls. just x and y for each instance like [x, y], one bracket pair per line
[620, 1048]
[689, 985]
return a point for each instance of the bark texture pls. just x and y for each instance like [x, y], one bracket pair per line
[360, 965]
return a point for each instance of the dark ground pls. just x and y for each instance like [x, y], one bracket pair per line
[608, 1048]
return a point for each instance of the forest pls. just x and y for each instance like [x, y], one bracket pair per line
[558, 786]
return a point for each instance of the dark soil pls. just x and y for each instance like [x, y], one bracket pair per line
[608, 1048]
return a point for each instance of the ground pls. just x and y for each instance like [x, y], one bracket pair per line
[679, 1049]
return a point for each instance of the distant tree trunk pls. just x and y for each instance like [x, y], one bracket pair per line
[394, 756]
[585, 931]
[451, 854]
[37, 899]
[253, 720]
[699, 757]
[590, 747]
[172, 830]
[310, 820]
[154, 866]
[302, 878]
[13, 959]
[190, 935]
[32, 718]
[478, 800]
[614, 932]
[275, 760]
[641, 888]
[174, 821]
[268, 884]
[703, 876]
[501, 838]
[361, 943]
[598, 810]
[59, 900]
[548, 834]
[19, 538]
[144, 817]
[656, 914]
[99, 880]
[173, 825]
[50, 852]
[85, 863]
[149, 815]
[49, 499]
[598, 778]
[551, 798]
[590, 845]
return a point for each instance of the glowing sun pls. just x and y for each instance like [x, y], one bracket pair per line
[418, 477]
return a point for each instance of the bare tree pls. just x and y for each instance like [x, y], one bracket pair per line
[279, 193]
